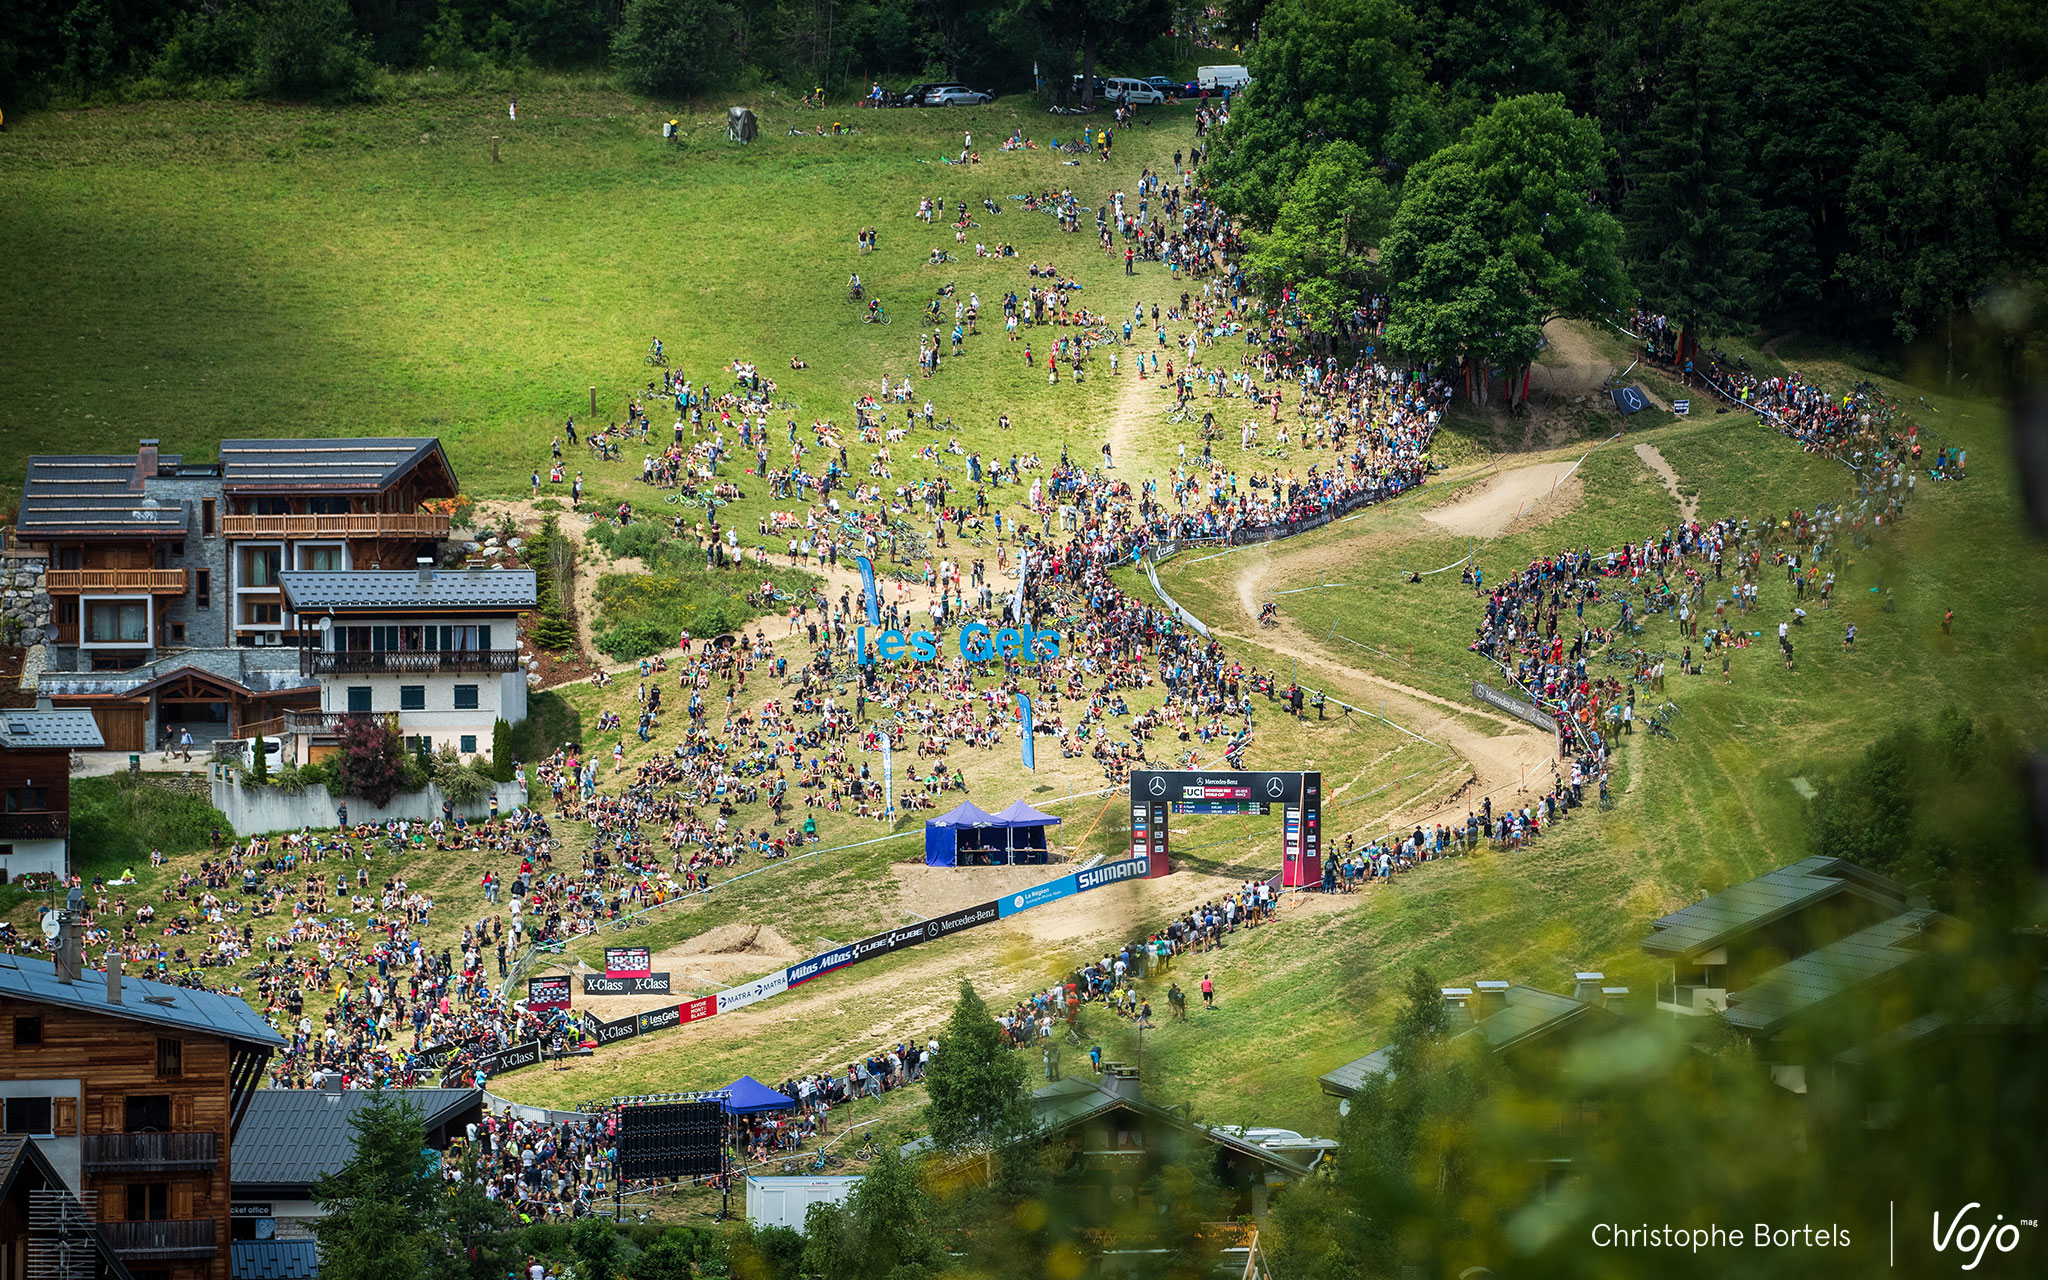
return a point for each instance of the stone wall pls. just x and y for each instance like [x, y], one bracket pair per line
[24, 605]
[253, 810]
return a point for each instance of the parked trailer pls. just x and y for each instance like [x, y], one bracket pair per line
[784, 1202]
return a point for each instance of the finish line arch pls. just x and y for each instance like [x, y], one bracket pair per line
[1158, 793]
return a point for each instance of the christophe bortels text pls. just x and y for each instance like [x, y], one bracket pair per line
[978, 643]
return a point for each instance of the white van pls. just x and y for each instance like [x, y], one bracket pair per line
[1136, 93]
[1222, 79]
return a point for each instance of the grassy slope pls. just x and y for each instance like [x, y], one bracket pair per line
[193, 271]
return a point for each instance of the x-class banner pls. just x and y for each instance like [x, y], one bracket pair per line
[519, 1055]
[627, 962]
[613, 1032]
[607, 984]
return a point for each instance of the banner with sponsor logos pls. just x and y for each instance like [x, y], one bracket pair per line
[519, 1055]
[773, 984]
[614, 984]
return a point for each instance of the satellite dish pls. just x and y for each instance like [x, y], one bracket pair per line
[51, 925]
[327, 624]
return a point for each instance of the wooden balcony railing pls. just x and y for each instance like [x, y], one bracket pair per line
[321, 662]
[156, 582]
[175, 1238]
[31, 826]
[369, 524]
[149, 1152]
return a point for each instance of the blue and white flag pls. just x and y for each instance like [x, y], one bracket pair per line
[888, 772]
[1024, 704]
[867, 583]
[1017, 604]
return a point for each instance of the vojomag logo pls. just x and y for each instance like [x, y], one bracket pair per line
[1967, 1239]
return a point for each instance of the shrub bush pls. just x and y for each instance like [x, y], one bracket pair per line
[372, 761]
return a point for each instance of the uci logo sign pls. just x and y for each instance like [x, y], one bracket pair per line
[1972, 1241]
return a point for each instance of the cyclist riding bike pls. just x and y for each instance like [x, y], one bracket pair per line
[654, 347]
[853, 286]
[874, 309]
[1269, 613]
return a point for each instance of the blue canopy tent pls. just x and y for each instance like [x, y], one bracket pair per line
[746, 1096]
[1026, 827]
[969, 828]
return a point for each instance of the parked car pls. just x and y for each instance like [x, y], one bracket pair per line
[1168, 85]
[911, 97]
[1101, 89]
[1136, 93]
[954, 95]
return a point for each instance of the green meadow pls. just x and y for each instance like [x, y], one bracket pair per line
[191, 271]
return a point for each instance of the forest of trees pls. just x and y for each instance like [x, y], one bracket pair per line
[1869, 169]
[73, 50]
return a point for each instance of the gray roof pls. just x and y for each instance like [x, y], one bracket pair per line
[85, 495]
[273, 1259]
[270, 670]
[360, 465]
[157, 1003]
[1530, 1012]
[72, 727]
[1802, 985]
[1748, 906]
[386, 590]
[289, 1137]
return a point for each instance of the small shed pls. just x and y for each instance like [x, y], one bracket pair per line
[966, 835]
[1026, 828]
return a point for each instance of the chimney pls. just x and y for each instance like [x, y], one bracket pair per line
[1120, 1081]
[1613, 998]
[43, 703]
[145, 466]
[1458, 1007]
[426, 564]
[113, 975]
[70, 943]
[1493, 997]
[1586, 987]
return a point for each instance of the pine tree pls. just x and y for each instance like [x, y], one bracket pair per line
[377, 1209]
[1690, 221]
[976, 1085]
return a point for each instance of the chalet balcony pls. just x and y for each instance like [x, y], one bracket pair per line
[149, 1153]
[388, 662]
[177, 1238]
[31, 826]
[155, 582]
[364, 524]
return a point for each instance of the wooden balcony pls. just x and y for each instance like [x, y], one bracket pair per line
[369, 524]
[149, 1152]
[155, 582]
[32, 826]
[391, 662]
[177, 1238]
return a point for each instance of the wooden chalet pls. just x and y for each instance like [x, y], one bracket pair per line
[134, 1091]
